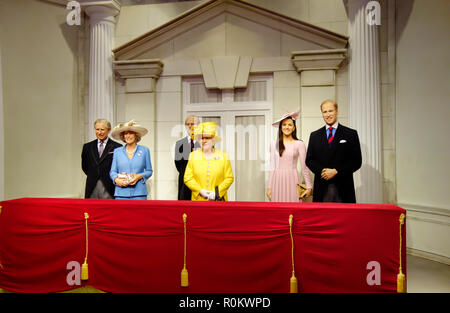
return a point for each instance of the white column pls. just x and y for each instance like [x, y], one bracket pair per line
[365, 103]
[101, 79]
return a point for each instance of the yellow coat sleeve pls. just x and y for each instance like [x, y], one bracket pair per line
[228, 177]
[189, 178]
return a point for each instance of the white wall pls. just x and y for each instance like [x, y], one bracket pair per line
[422, 128]
[136, 20]
[40, 101]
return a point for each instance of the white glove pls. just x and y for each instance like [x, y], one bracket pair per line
[211, 195]
[204, 193]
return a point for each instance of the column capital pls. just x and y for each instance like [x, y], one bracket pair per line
[329, 59]
[101, 10]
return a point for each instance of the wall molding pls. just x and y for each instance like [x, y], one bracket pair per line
[427, 213]
[428, 232]
[428, 255]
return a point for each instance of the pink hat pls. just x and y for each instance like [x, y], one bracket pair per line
[294, 116]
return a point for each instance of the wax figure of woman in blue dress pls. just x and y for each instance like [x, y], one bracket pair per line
[131, 164]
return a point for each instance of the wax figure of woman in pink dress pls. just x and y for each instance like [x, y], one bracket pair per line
[284, 154]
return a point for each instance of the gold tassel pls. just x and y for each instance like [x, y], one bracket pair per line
[401, 277]
[184, 272]
[84, 271]
[84, 267]
[294, 283]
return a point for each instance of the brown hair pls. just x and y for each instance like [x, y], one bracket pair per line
[281, 146]
[122, 134]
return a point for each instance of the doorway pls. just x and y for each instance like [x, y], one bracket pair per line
[244, 124]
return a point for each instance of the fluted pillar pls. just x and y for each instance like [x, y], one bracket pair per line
[364, 101]
[101, 79]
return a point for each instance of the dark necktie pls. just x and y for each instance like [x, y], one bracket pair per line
[192, 145]
[330, 136]
[100, 148]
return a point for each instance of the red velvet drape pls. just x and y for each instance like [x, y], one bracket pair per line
[137, 246]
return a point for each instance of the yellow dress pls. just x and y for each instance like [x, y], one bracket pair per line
[207, 174]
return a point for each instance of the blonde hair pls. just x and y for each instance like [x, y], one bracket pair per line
[329, 101]
[195, 118]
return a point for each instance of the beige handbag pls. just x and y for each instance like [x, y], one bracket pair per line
[301, 188]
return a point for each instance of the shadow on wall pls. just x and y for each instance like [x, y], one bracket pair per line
[70, 34]
[364, 176]
[389, 192]
[405, 6]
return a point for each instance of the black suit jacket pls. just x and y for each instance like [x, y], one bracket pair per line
[344, 155]
[97, 168]
[182, 151]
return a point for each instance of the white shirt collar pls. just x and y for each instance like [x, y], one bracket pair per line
[104, 141]
[189, 139]
[335, 125]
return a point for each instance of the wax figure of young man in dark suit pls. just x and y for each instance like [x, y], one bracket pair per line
[183, 148]
[333, 159]
[96, 160]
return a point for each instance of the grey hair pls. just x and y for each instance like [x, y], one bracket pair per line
[102, 120]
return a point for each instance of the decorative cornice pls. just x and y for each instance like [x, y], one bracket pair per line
[328, 59]
[207, 10]
[151, 68]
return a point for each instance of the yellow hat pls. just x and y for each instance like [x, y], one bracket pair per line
[206, 129]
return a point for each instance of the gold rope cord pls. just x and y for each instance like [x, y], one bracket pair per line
[401, 277]
[184, 272]
[84, 267]
[293, 282]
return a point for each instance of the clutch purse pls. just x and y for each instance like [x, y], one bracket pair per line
[301, 188]
[128, 177]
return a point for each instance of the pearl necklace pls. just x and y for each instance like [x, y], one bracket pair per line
[130, 153]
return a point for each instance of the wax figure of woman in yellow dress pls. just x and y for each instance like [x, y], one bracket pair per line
[208, 167]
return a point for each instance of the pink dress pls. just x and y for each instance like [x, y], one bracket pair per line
[284, 176]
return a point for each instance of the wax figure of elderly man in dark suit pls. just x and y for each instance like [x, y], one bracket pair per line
[333, 155]
[183, 148]
[96, 160]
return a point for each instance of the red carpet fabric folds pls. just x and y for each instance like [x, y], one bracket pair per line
[231, 247]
